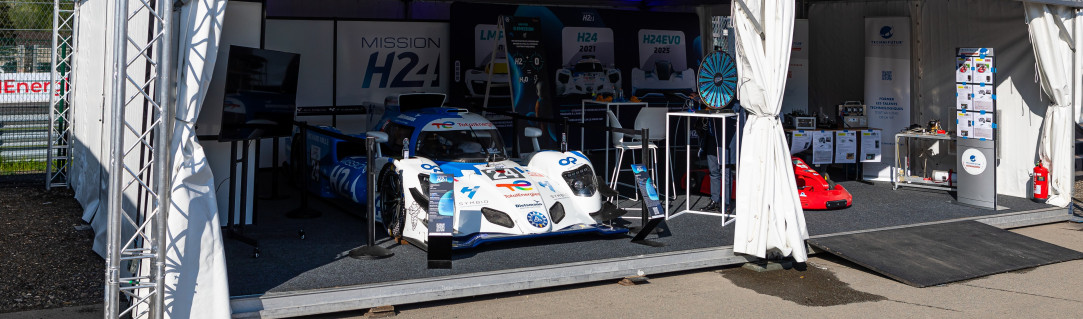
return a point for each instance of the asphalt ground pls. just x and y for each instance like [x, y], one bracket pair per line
[827, 287]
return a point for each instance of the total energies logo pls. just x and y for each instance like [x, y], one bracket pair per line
[444, 125]
[887, 32]
[520, 185]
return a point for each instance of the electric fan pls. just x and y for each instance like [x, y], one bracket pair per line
[717, 80]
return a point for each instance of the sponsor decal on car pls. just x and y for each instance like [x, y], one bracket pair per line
[567, 161]
[537, 219]
[480, 124]
[444, 125]
[547, 185]
[472, 203]
[536, 203]
[500, 173]
[521, 195]
[519, 185]
[470, 191]
[432, 168]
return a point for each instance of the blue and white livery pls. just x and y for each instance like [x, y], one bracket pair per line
[494, 197]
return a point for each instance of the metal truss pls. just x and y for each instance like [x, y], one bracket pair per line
[140, 167]
[58, 158]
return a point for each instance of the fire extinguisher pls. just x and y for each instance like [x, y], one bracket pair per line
[1041, 182]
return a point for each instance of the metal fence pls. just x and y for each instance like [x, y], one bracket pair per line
[26, 89]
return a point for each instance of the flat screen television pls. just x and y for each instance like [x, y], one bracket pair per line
[261, 94]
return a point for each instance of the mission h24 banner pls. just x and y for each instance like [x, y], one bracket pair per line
[380, 59]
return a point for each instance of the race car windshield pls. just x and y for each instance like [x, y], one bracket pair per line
[588, 67]
[466, 146]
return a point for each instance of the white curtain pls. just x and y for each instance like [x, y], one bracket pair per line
[196, 285]
[769, 215]
[1051, 34]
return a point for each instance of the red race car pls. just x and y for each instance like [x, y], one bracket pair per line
[816, 192]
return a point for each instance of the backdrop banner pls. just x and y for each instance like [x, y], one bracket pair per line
[379, 59]
[887, 84]
[659, 53]
[796, 96]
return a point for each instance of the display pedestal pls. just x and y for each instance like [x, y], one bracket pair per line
[370, 250]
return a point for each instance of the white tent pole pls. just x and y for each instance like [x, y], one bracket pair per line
[1077, 89]
[1077, 63]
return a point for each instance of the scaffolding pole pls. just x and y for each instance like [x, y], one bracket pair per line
[141, 169]
[58, 153]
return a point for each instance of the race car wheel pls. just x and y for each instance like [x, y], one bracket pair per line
[392, 210]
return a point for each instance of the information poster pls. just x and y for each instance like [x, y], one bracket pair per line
[965, 124]
[887, 82]
[983, 125]
[963, 93]
[983, 98]
[800, 142]
[823, 147]
[845, 147]
[870, 146]
[962, 69]
[982, 70]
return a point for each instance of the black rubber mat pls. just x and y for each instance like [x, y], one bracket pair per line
[923, 256]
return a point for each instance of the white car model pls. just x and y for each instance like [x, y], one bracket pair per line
[662, 79]
[587, 76]
[476, 79]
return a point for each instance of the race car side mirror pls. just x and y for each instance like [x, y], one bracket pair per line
[533, 133]
[381, 137]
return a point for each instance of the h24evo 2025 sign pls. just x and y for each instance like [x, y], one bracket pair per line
[26, 88]
[663, 63]
[378, 59]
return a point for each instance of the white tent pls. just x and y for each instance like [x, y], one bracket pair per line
[195, 284]
[769, 213]
[1054, 33]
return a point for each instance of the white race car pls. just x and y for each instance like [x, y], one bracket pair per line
[587, 76]
[495, 198]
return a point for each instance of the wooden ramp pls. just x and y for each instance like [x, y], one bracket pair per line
[930, 255]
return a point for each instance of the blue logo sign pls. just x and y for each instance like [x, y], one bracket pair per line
[470, 191]
[973, 158]
[547, 185]
[537, 219]
[430, 167]
[886, 32]
[567, 161]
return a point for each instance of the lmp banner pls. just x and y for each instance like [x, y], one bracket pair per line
[887, 84]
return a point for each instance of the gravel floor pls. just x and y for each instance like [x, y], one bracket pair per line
[46, 262]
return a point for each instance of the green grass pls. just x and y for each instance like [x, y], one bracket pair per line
[13, 167]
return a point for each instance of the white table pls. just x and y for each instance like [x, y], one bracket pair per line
[727, 218]
[900, 176]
